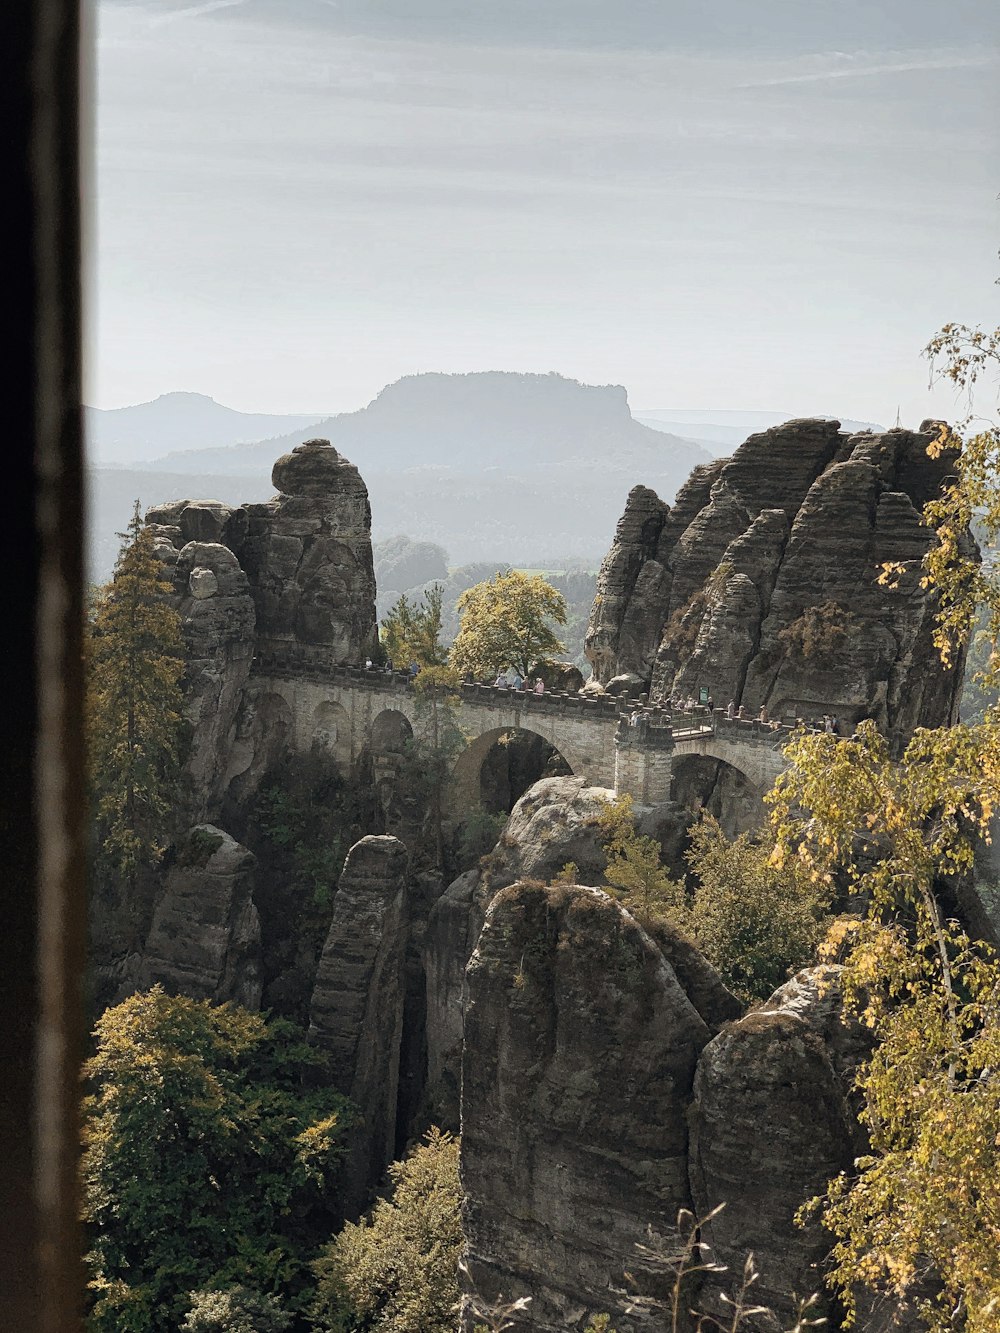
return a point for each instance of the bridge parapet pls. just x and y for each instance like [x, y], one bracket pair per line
[297, 662]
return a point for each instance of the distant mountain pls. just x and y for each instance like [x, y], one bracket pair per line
[131, 435]
[489, 465]
[722, 432]
[466, 422]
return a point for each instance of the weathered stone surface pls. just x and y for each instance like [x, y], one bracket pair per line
[205, 937]
[772, 1123]
[801, 517]
[309, 558]
[218, 620]
[356, 1014]
[580, 1052]
[452, 931]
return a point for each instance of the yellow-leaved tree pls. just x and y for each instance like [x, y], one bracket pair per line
[507, 622]
[919, 1219]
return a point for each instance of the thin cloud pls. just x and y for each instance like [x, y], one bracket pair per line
[193, 11]
[874, 71]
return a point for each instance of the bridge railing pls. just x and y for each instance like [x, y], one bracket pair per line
[313, 664]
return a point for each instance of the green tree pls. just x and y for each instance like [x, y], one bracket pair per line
[134, 708]
[205, 1162]
[753, 920]
[634, 872]
[429, 755]
[507, 622]
[411, 632]
[396, 1270]
[234, 1310]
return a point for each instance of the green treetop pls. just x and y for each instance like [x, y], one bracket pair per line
[205, 1162]
[507, 622]
[134, 707]
[411, 632]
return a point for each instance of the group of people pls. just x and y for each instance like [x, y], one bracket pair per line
[515, 681]
[689, 704]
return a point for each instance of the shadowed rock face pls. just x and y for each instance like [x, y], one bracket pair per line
[714, 591]
[556, 821]
[293, 576]
[772, 1123]
[205, 937]
[356, 1013]
[580, 1052]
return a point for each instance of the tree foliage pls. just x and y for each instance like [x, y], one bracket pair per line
[634, 872]
[205, 1162]
[429, 755]
[507, 622]
[234, 1310]
[411, 632]
[920, 1218]
[395, 1271]
[134, 708]
[753, 920]
[923, 1210]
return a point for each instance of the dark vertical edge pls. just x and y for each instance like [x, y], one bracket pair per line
[41, 776]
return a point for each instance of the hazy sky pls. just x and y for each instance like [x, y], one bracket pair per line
[717, 204]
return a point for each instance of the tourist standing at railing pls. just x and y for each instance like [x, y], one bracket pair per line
[539, 686]
[518, 680]
[731, 710]
[762, 715]
[500, 682]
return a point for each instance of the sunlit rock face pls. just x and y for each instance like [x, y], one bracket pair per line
[762, 582]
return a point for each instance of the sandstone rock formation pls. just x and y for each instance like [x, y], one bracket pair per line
[772, 1122]
[205, 937]
[309, 558]
[555, 822]
[291, 579]
[356, 1014]
[581, 1046]
[761, 581]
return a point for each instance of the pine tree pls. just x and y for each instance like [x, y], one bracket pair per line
[134, 706]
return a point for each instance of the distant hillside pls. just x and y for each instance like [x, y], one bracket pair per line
[130, 435]
[467, 422]
[723, 432]
[490, 465]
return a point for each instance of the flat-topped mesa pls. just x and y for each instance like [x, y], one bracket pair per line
[761, 583]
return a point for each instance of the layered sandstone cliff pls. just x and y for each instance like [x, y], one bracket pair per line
[761, 582]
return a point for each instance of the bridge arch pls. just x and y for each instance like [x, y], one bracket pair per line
[330, 731]
[390, 731]
[535, 756]
[709, 782]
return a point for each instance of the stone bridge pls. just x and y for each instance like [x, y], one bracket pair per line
[613, 742]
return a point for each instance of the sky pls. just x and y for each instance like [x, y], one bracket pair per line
[729, 206]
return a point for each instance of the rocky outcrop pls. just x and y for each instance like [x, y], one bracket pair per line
[356, 1013]
[290, 581]
[557, 821]
[772, 1123]
[596, 1102]
[205, 936]
[309, 558]
[762, 582]
[580, 1052]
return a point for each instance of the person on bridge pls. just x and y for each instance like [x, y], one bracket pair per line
[730, 710]
[501, 681]
[518, 680]
[539, 686]
[762, 715]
